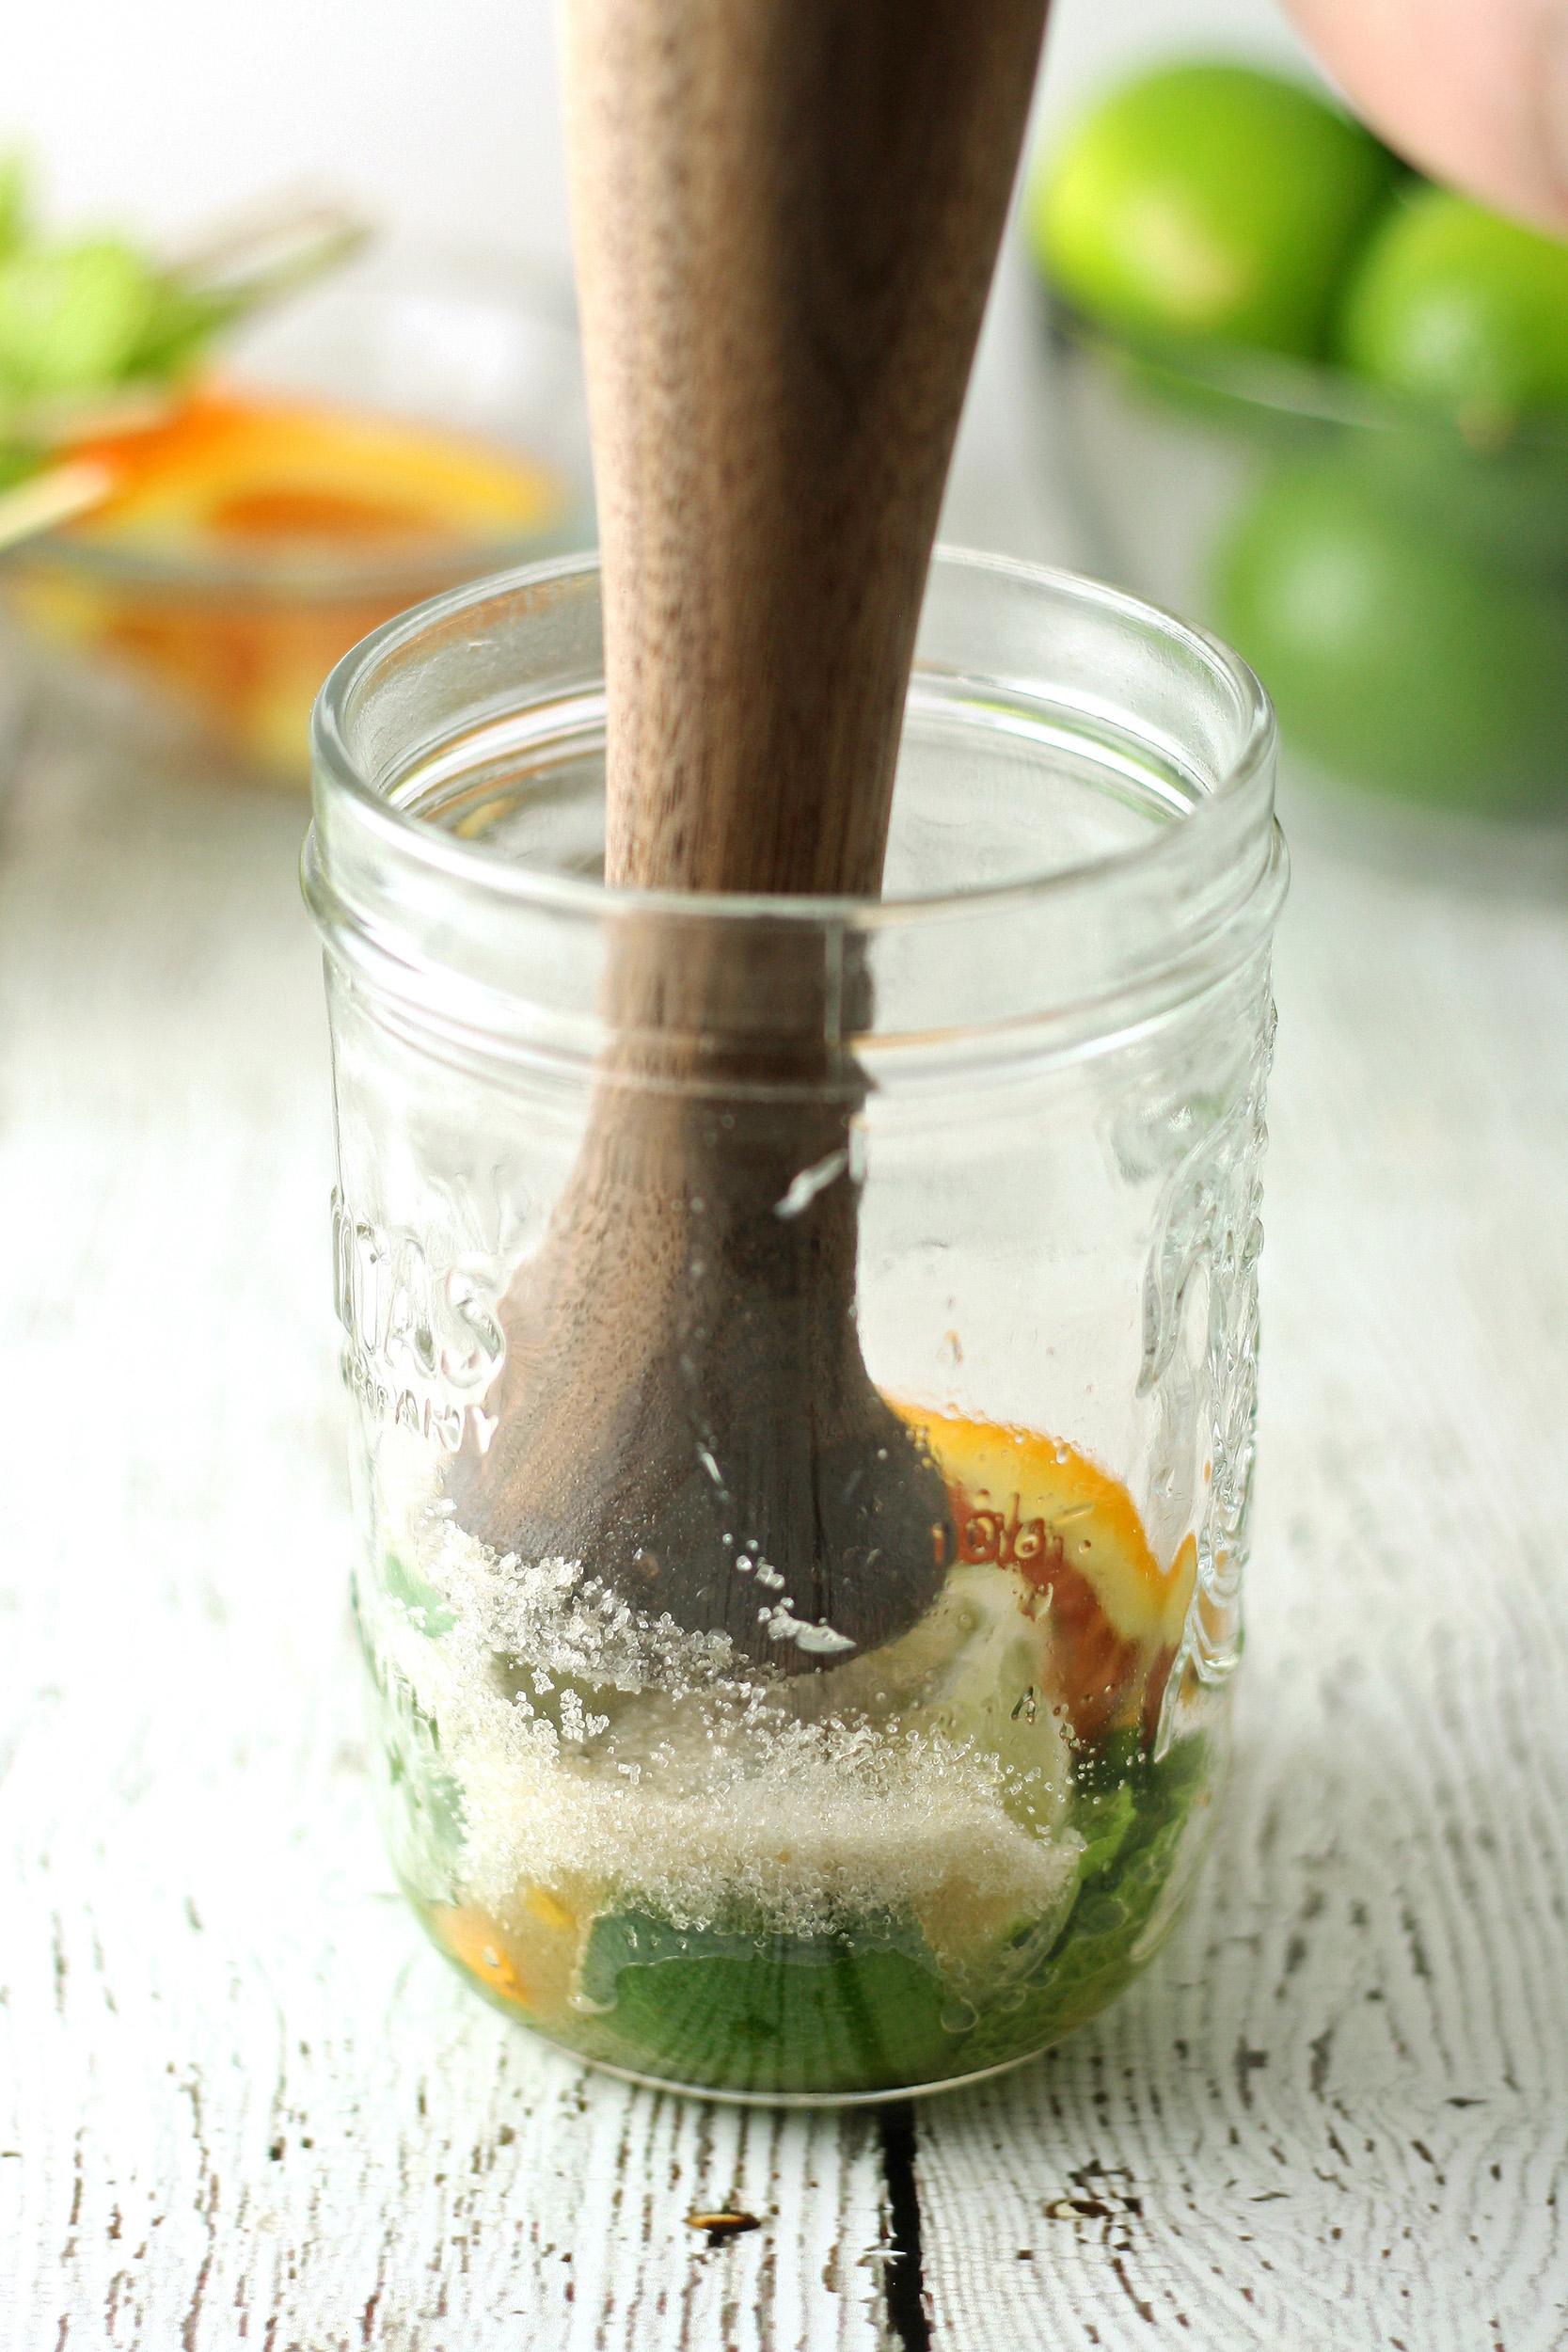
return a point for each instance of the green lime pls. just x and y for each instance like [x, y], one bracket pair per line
[13, 203]
[1210, 202]
[1395, 657]
[1508, 505]
[1456, 306]
[71, 317]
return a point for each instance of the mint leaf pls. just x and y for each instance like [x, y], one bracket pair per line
[837, 2013]
[423, 1601]
[1102, 1820]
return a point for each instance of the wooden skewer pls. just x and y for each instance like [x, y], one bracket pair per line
[269, 249]
[786, 215]
[57, 495]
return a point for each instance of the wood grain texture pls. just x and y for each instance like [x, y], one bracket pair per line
[785, 218]
[242, 2101]
[1336, 2112]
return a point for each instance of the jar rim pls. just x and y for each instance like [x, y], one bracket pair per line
[513, 879]
[1194, 897]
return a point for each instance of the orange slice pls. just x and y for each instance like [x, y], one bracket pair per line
[230, 473]
[1073, 1534]
[529, 1959]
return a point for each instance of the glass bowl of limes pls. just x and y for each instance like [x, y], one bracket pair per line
[1321, 404]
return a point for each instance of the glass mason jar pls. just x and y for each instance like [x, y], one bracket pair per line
[803, 1354]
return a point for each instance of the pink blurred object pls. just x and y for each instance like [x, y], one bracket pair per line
[1475, 91]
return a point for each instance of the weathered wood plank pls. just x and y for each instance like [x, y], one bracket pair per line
[1337, 2112]
[1362, 2030]
[243, 2102]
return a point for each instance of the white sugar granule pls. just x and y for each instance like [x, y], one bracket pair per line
[658, 1763]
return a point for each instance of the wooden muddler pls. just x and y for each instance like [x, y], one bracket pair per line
[786, 215]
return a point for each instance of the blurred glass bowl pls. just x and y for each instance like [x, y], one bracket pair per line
[242, 637]
[1399, 581]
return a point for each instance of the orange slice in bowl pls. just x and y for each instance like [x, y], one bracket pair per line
[248, 542]
[231, 474]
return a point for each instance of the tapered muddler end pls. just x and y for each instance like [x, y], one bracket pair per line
[684, 1412]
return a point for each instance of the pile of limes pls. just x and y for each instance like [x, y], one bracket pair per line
[1399, 581]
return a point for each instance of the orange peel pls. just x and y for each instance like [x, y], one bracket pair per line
[1036, 1505]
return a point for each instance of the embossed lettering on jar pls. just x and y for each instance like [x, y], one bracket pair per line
[788, 1860]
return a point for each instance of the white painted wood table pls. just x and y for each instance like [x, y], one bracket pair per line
[244, 2103]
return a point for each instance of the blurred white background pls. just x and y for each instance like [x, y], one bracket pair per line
[441, 117]
[440, 113]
